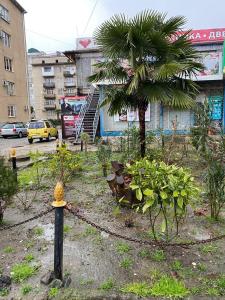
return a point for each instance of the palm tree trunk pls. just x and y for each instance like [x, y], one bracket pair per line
[141, 114]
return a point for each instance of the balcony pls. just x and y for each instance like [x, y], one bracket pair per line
[68, 94]
[48, 72]
[49, 96]
[68, 73]
[70, 83]
[49, 85]
[49, 106]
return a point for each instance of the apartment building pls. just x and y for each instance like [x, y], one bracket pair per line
[51, 77]
[14, 105]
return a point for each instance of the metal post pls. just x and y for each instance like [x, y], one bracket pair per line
[13, 158]
[81, 146]
[59, 205]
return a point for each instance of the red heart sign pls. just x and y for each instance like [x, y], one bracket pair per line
[85, 43]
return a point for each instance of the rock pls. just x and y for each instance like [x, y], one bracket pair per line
[5, 281]
[56, 283]
[67, 281]
[47, 278]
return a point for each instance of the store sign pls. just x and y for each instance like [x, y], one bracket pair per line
[86, 43]
[216, 107]
[204, 35]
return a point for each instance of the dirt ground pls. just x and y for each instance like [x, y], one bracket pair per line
[97, 263]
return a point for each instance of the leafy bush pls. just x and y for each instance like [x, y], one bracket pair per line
[64, 165]
[8, 186]
[104, 154]
[163, 191]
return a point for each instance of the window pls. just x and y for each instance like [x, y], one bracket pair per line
[51, 113]
[57, 61]
[47, 125]
[50, 102]
[49, 91]
[47, 69]
[70, 91]
[8, 64]
[6, 38]
[60, 91]
[43, 62]
[11, 111]
[10, 88]
[4, 13]
[49, 80]
[36, 125]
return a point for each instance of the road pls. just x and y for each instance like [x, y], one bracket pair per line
[23, 147]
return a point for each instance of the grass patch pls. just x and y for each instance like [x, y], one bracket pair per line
[122, 248]
[85, 282]
[89, 231]
[126, 263]
[141, 289]
[169, 287]
[29, 257]
[158, 255]
[144, 253]
[23, 271]
[38, 231]
[8, 249]
[26, 289]
[53, 292]
[66, 228]
[210, 248]
[177, 265]
[107, 285]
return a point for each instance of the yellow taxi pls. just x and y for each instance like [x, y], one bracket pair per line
[41, 129]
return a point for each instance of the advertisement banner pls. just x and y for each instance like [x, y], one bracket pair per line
[212, 61]
[70, 109]
[216, 107]
[131, 116]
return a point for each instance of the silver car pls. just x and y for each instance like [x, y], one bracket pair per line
[13, 129]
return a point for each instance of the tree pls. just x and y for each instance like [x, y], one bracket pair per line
[146, 60]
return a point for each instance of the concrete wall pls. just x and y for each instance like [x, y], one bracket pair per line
[17, 52]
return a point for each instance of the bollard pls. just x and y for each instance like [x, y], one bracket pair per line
[57, 146]
[59, 205]
[81, 146]
[13, 158]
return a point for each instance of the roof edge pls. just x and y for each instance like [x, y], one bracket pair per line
[19, 6]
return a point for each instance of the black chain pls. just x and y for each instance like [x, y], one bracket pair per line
[28, 220]
[75, 212]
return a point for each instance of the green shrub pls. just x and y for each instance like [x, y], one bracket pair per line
[53, 292]
[122, 248]
[164, 191]
[26, 289]
[141, 289]
[107, 285]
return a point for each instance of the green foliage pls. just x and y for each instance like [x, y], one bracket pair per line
[141, 289]
[4, 292]
[177, 265]
[26, 289]
[104, 154]
[22, 271]
[64, 165]
[163, 191]
[107, 285]
[53, 292]
[66, 228]
[8, 249]
[89, 231]
[8, 186]
[126, 263]
[38, 231]
[209, 248]
[29, 257]
[144, 253]
[169, 287]
[158, 255]
[122, 248]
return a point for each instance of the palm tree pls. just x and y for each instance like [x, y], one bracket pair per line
[147, 61]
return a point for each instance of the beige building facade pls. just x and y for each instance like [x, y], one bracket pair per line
[51, 77]
[14, 102]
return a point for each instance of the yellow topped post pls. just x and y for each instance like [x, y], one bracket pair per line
[12, 152]
[59, 195]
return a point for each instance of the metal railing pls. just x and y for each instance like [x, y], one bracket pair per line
[95, 122]
[81, 115]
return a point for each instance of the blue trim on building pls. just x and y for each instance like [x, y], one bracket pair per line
[166, 132]
[223, 109]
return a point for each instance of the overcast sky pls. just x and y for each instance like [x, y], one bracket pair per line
[53, 25]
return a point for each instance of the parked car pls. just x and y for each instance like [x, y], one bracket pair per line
[13, 129]
[1, 125]
[41, 129]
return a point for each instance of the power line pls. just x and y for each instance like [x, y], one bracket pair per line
[91, 14]
[50, 38]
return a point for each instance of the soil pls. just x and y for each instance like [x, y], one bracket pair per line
[91, 257]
